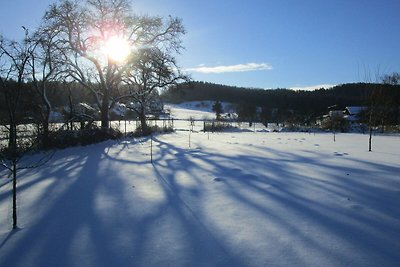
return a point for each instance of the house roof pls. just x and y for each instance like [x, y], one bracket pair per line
[355, 110]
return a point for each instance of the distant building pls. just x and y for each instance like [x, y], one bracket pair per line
[352, 113]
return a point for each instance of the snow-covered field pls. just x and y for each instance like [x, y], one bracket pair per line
[230, 199]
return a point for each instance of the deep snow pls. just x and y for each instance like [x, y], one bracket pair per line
[231, 199]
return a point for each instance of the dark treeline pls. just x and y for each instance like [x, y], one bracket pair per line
[60, 95]
[302, 103]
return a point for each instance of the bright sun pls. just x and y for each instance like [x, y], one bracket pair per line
[117, 49]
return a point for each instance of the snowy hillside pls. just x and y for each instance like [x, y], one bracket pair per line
[231, 199]
[199, 110]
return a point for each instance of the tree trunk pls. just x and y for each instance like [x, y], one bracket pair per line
[46, 117]
[370, 132]
[14, 192]
[104, 110]
[12, 150]
[143, 123]
[71, 109]
[12, 137]
[45, 137]
[370, 139]
[105, 121]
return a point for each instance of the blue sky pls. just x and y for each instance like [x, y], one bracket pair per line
[267, 44]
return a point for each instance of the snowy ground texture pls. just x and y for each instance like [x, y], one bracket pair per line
[231, 199]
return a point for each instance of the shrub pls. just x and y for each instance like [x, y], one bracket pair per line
[216, 126]
[149, 130]
[69, 138]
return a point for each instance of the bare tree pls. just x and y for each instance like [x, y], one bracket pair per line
[151, 70]
[393, 79]
[14, 57]
[378, 108]
[375, 98]
[45, 66]
[14, 71]
[84, 29]
[373, 116]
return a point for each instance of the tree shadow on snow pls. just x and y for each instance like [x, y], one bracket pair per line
[201, 207]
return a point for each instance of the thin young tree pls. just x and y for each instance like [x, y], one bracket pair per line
[373, 99]
[14, 57]
[14, 72]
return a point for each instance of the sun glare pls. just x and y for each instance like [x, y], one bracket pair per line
[117, 49]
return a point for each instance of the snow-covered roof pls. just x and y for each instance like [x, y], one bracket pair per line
[355, 110]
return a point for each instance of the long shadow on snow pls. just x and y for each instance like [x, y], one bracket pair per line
[52, 237]
[369, 235]
[201, 247]
[69, 215]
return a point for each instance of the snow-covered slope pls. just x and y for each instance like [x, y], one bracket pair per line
[231, 199]
[198, 110]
